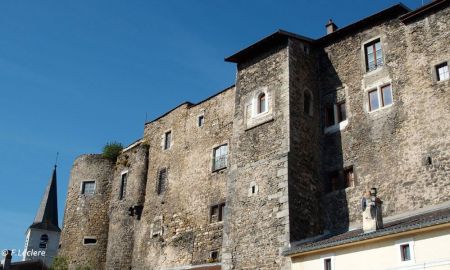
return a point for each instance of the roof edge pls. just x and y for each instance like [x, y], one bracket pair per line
[432, 6]
[190, 104]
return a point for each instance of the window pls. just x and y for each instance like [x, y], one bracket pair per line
[201, 121]
[327, 264]
[88, 187]
[379, 98]
[89, 241]
[349, 177]
[167, 140]
[374, 55]
[307, 103]
[123, 186]
[214, 256]
[162, 179]
[220, 157]
[262, 103]
[216, 213]
[43, 241]
[335, 114]
[405, 252]
[442, 72]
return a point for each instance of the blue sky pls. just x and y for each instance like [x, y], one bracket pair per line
[75, 75]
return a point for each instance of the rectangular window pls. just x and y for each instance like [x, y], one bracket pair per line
[201, 120]
[381, 97]
[405, 252]
[349, 177]
[374, 55]
[341, 112]
[216, 213]
[88, 187]
[123, 186]
[442, 72]
[167, 140]
[162, 179]
[220, 157]
[89, 241]
[329, 115]
[327, 264]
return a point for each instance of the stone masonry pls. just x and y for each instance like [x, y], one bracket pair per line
[286, 173]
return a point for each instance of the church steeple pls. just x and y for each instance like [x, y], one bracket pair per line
[47, 215]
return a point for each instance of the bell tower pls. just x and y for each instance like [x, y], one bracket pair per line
[42, 237]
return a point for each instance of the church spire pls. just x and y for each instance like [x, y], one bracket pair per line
[47, 215]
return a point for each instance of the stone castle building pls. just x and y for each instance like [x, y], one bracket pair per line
[281, 157]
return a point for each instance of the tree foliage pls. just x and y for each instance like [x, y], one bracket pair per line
[112, 150]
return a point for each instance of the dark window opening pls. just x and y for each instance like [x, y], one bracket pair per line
[253, 189]
[374, 55]
[349, 177]
[201, 120]
[405, 252]
[90, 241]
[162, 179]
[327, 264]
[307, 103]
[214, 256]
[216, 213]
[43, 241]
[329, 115]
[167, 140]
[123, 186]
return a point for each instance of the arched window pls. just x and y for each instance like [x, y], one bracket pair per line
[44, 241]
[262, 103]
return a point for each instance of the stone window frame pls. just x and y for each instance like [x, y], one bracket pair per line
[123, 185]
[434, 71]
[398, 250]
[311, 102]
[221, 212]
[90, 244]
[378, 86]
[338, 126]
[364, 63]
[213, 152]
[164, 140]
[325, 257]
[82, 187]
[156, 231]
[253, 189]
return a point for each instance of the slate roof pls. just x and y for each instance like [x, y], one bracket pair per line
[47, 215]
[402, 225]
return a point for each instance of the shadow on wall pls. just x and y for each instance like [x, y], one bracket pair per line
[334, 173]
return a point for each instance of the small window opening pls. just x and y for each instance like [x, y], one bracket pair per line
[167, 140]
[262, 103]
[213, 256]
[307, 103]
[349, 177]
[123, 186]
[327, 264]
[442, 72]
[374, 55]
[201, 120]
[89, 241]
[162, 179]
[329, 115]
[216, 213]
[429, 160]
[88, 188]
[405, 252]
[43, 241]
[253, 189]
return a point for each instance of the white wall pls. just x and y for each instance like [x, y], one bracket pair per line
[33, 237]
[431, 251]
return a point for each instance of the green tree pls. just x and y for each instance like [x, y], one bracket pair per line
[59, 263]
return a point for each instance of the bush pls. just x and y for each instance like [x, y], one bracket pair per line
[112, 150]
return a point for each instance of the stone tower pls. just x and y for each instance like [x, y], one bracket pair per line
[86, 221]
[42, 237]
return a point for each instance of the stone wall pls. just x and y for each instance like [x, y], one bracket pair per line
[257, 225]
[87, 215]
[131, 168]
[388, 148]
[175, 229]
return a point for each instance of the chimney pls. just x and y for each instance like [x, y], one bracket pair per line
[371, 211]
[331, 27]
[7, 261]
